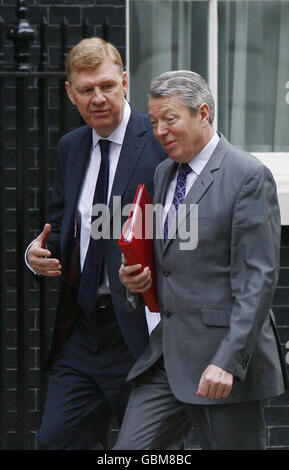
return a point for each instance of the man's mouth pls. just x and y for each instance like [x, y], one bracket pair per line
[169, 144]
[100, 112]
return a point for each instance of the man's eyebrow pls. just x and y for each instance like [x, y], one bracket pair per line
[84, 84]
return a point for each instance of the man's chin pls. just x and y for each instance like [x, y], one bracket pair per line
[101, 126]
[176, 157]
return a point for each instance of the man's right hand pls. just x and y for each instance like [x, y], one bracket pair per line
[133, 280]
[38, 256]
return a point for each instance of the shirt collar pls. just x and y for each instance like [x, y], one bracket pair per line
[199, 161]
[117, 136]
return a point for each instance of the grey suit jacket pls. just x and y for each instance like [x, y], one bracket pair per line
[215, 299]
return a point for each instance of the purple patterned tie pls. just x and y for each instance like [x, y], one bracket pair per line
[179, 195]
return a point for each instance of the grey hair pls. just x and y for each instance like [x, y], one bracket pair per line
[192, 89]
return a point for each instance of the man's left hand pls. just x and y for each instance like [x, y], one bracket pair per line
[215, 383]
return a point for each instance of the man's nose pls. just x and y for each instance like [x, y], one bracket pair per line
[161, 129]
[98, 97]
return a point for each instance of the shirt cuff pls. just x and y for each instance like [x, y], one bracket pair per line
[26, 261]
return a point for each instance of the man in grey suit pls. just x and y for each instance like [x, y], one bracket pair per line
[215, 357]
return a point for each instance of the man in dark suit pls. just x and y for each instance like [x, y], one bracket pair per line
[215, 357]
[96, 339]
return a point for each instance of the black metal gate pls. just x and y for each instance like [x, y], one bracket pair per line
[34, 114]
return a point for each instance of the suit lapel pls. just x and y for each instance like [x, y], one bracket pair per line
[161, 190]
[203, 182]
[84, 150]
[160, 198]
[134, 141]
[77, 167]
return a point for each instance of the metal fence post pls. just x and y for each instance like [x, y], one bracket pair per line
[22, 35]
[43, 159]
[2, 218]
[63, 101]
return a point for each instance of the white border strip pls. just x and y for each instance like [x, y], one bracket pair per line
[278, 163]
[213, 54]
[127, 50]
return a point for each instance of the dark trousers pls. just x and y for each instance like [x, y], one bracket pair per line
[87, 386]
[156, 420]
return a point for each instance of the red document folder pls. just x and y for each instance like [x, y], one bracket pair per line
[136, 241]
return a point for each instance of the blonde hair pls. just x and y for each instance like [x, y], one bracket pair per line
[89, 53]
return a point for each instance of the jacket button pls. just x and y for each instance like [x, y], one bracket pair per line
[166, 273]
[167, 313]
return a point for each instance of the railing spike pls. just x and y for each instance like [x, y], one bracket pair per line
[22, 35]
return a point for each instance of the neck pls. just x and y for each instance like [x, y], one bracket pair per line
[208, 134]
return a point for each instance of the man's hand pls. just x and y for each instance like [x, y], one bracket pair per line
[135, 283]
[215, 383]
[38, 256]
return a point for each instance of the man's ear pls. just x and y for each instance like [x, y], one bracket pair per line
[204, 113]
[124, 83]
[69, 92]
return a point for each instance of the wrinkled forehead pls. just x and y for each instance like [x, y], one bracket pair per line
[162, 105]
[104, 70]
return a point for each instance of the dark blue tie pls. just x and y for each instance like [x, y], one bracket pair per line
[179, 196]
[93, 264]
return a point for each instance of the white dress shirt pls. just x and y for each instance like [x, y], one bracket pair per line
[87, 192]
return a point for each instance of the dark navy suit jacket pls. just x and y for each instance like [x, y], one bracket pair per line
[140, 155]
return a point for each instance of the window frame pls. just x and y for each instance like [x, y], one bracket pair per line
[277, 162]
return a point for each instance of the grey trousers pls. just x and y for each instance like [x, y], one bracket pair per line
[156, 420]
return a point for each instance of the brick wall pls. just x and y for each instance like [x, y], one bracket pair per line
[277, 412]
